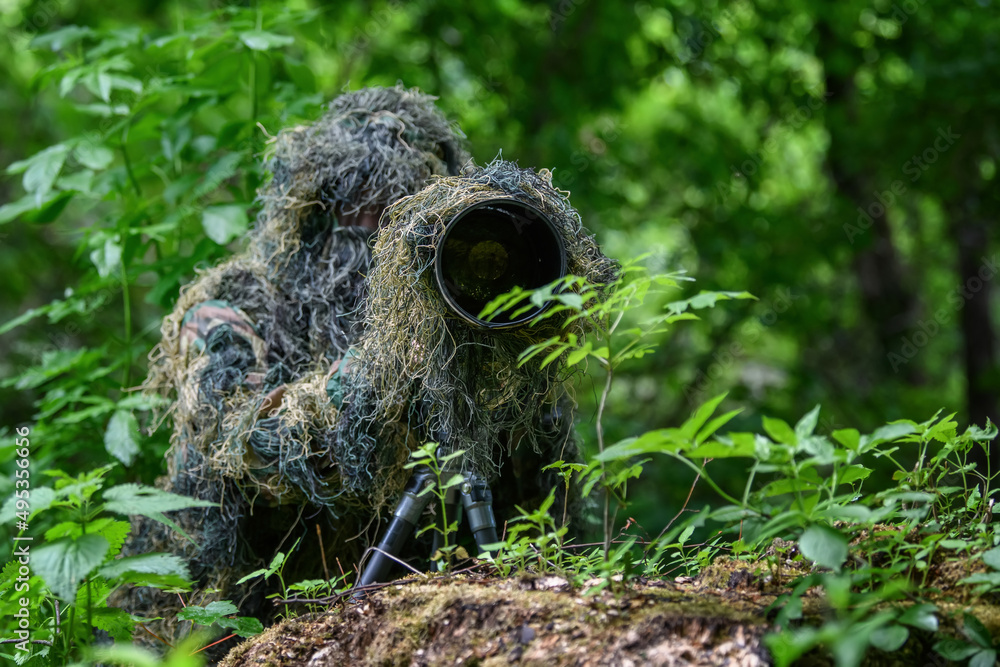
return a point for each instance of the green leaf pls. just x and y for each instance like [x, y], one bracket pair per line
[715, 424]
[98, 83]
[992, 558]
[218, 173]
[63, 563]
[921, 616]
[779, 431]
[553, 355]
[57, 40]
[104, 110]
[116, 622]
[158, 570]
[121, 438]
[131, 499]
[717, 449]
[308, 584]
[853, 473]
[571, 299]
[15, 209]
[136, 656]
[954, 649]
[209, 614]
[848, 437]
[244, 626]
[955, 544]
[976, 631]
[455, 480]
[850, 647]
[80, 181]
[689, 429]
[107, 258]
[705, 299]
[578, 355]
[853, 513]
[259, 40]
[807, 425]
[978, 434]
[31, 210]
[911, 497]
[264, 571]
[648, 443]
[985, 658]
[886, 433]
[787, 646]
[824, 545]
[113, 531]
[991, 578]
[889, 638]
[224, 223]
[146, 500]
[110, 529]
[43, 168]
[93, 155]
[787, 485]
[42, 498]
[122, 82]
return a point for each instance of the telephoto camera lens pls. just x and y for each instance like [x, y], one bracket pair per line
[491, 247]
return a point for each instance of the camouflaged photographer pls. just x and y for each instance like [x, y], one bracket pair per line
[303, 371]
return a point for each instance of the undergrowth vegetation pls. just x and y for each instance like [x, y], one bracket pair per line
[881, 556]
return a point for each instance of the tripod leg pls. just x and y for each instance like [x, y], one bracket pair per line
[404, 521]
[478, 502]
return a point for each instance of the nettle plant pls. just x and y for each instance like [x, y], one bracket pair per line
[76, 565]
[804, 498]
[628, 319]
[155, 173]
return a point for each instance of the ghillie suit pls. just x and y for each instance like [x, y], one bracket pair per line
[424, 370]
[251, 346]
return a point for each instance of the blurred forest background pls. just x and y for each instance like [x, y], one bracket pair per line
[837, 160]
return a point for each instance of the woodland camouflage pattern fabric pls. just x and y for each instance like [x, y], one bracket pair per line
[267, 424]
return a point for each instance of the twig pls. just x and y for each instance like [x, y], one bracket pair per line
[212, 644]
[143, 626]
[30, 641]
[683, 507]
[322, 551]
[294, 524]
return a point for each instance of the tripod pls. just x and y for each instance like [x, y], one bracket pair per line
[476, 499]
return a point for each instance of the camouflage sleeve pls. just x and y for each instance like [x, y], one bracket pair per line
[335, 378]
[212, 326]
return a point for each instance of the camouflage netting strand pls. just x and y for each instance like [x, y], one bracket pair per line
[418, 363]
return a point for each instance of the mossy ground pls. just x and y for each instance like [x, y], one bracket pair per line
[537, 621]
[718, 618]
